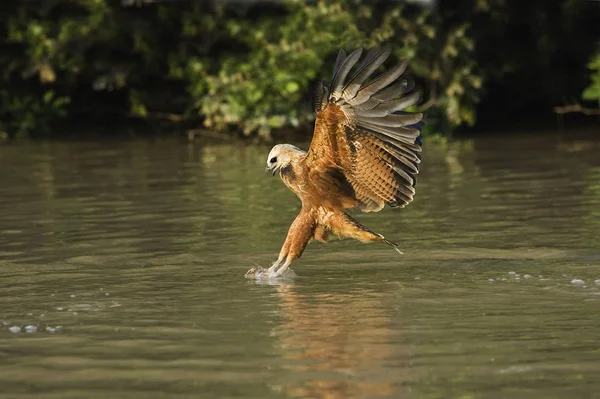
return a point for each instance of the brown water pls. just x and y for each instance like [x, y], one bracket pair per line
[137, 250]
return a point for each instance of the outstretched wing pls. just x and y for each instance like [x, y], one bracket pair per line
[361, 130]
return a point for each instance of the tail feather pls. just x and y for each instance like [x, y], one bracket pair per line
[392, 244]
[347, 226]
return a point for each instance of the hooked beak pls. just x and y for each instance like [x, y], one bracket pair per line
[272, 169]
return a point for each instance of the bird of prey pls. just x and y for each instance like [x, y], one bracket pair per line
[364, 154]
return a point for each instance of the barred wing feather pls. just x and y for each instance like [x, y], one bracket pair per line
[362, 130]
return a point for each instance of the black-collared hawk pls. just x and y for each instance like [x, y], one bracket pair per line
[365, 153]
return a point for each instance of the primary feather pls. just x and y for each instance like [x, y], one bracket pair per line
[362, 130]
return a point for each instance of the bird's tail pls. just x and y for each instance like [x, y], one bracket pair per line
[346, 226]
[391, 244]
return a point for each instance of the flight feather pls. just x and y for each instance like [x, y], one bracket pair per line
[362, 130]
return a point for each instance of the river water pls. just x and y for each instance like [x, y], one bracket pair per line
[122, 276]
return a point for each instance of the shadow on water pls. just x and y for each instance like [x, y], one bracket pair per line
[125, 262]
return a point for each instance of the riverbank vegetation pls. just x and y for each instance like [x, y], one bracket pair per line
[248, 68]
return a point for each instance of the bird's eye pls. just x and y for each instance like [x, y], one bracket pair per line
[273, 160]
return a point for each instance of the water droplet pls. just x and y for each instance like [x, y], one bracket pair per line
[577, 281]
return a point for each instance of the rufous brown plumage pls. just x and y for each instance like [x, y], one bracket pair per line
[365, 153]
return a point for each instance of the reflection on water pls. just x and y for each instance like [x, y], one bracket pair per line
[137, 250]
[341, 339]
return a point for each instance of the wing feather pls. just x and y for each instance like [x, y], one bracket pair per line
[338, 62]
[394, 120]
[389, 107]
[379, 83]
[362, 131]
[394, 91]
[340, 75]
[373, 60]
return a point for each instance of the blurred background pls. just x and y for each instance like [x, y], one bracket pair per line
[248, 68]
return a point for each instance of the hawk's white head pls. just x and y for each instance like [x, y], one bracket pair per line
[281, 156]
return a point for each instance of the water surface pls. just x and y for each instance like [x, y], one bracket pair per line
[127, 259]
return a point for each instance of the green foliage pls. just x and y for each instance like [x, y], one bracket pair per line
[29, 113]
[250, 67]
[235, 71]
[262, 88]
[267, 85]
[69, 58]
[592, 92]
[443, 59]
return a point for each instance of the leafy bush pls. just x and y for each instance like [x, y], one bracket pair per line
[267, 85]
[592, 92]
[250, 67]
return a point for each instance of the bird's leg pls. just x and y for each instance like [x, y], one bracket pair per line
[287, 263]
[299, 235]
[282, 254]
[296, 248]
[276, 263]
[255, 272]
